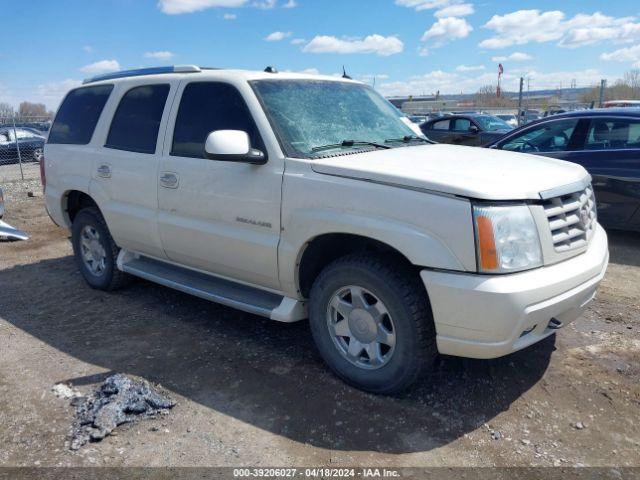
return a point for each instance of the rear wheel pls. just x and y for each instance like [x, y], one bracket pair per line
[95, 251]
[37, 154]
[372, 323]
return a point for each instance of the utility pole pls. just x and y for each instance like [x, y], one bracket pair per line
[520, 102]
[603, 86]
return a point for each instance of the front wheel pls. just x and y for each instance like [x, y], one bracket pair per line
[371, 321]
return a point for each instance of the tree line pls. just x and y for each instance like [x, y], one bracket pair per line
[626, 88]
[26, 109]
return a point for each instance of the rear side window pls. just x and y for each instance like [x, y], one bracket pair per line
[209, 106]
[613, 134]
[78, 115]
[441, 125]
[136, 122]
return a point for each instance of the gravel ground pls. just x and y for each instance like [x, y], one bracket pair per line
[253, 392]
[12, 172]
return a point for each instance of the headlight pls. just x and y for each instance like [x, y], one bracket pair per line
[506, 239]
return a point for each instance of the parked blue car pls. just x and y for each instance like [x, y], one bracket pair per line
[606, 142]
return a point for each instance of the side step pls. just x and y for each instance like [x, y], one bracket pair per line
[226, 292]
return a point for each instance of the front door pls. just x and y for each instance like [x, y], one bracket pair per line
[217, 216]
[465, 132]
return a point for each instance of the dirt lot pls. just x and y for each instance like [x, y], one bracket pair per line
[254, 392]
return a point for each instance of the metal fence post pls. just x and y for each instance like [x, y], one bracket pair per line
[520, 116]
[603, 87]
[15, 135]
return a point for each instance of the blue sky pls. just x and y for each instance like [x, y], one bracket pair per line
[410, 46]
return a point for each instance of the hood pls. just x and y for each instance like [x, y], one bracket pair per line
[466, 171]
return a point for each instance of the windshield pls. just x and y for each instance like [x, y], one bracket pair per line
[490, 123]
[308, 114]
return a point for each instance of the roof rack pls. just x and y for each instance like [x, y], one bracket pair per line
[144, 71]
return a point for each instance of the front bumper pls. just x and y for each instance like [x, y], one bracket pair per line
[482, 316]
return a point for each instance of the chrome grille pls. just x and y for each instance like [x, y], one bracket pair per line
[572, 219]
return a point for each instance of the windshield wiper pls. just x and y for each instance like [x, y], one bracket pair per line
[350, 143]
[407, 139]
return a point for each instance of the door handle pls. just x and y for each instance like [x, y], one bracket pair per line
[104, 171]
[169, 180]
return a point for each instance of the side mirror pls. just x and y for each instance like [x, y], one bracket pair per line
[232, 146]
[474, 129]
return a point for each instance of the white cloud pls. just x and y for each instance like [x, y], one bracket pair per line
[370, 76]
[277, 36]
[88, 48]
[377, 44]
[229, 16]
[264, 4]
[446, 30]
[427, 4]
[514, 57]
[469, 68]
[103, 66]
[160, 55]
[290, 4]
[627, 55]
[175, 7]
[459, 10]
[470, 82]
[298, 41]
[525, 26]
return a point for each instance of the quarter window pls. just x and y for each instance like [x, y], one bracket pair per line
[548, 137]
[206, 107]
[78, 115]
[136, 122]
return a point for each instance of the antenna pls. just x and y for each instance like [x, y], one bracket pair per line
[344, 74]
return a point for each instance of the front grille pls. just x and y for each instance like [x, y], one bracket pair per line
[572, 219]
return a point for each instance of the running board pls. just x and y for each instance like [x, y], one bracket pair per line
[225, 292]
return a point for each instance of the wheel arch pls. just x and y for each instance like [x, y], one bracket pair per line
[75, 200]
[323, 249]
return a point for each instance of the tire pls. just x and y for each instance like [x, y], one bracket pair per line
[384, 368]
[37, 154]
[104, 275]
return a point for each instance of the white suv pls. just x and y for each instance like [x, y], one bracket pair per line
[297, 196]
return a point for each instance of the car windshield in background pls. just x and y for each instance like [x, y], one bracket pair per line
[314, 117]
[492, 124]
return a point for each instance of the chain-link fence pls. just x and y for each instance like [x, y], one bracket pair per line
[21, 146]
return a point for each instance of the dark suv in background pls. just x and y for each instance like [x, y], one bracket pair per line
[473, 130]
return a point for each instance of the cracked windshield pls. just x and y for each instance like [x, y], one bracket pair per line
[314, 118]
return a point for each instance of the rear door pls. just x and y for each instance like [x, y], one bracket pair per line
[125, 166]
[611, 153]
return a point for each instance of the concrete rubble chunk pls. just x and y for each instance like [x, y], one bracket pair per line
[119, 399]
